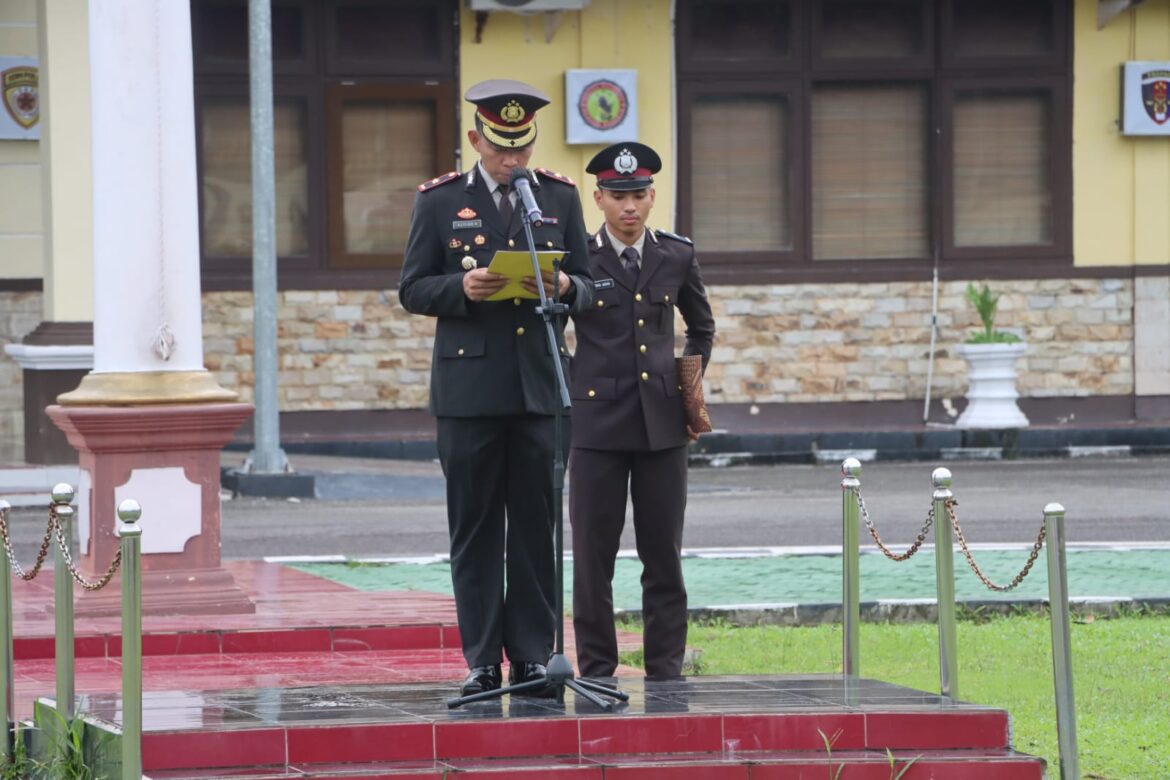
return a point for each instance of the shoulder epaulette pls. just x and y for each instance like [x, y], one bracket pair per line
[675, 236]
[432, 183]
[556, 176]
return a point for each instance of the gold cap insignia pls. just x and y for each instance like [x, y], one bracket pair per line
[512, 112]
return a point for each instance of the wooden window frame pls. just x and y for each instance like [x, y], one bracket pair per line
[310, 80]
[1055, 60]
[913, 63]
[335, 62]
[791, 63]
[1059, 179]
[336, 96]
[792, 90]
[942, 77]
[231, 266]
[885, 263]
[301, 67]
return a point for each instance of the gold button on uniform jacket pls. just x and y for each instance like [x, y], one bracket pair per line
[490, 357]
[625, 386]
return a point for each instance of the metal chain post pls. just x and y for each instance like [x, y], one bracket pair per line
[944, 572]
[1066, 721]
[65, 573]
[850, 566]
[63, 601]
[6, 675]
[128, 512]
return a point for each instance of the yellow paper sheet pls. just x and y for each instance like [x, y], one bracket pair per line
[516, 266]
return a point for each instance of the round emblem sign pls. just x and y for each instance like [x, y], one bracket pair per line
[603, 105]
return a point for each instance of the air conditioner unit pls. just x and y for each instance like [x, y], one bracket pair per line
[525, 6]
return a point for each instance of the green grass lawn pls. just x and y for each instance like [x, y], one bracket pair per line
[1121, 672]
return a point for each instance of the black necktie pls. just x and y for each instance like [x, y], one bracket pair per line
[505, 205]
[630, 261]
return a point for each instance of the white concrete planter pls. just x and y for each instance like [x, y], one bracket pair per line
[991, 389]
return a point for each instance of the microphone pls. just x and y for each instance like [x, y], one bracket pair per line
[520, 182]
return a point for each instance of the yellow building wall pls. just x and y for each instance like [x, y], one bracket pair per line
[20, 165]
[538, 48]
[66, 155]
[1121, 184]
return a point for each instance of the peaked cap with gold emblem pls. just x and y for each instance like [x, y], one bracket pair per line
[625, 166]
[505, 111]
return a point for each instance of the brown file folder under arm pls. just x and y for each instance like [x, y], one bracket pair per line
[690, 380]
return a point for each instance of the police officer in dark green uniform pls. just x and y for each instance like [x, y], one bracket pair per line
[493, 384]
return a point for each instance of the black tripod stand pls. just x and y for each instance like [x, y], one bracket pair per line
[559, 672]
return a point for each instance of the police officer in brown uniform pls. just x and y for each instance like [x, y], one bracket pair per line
[493, 385]
[629, 426]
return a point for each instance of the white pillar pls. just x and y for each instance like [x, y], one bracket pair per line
[147, 313]
[147, 328]
[149, 417]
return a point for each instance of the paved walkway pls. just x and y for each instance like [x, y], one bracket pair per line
[755, 578]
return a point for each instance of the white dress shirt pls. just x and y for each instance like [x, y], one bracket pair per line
[619, 245]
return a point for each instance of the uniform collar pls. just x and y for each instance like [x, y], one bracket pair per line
[619, 245]
[493, 185]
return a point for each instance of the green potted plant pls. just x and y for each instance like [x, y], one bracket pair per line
[991, 358]
[985, 305]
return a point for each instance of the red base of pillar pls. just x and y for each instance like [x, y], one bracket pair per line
[166, 457]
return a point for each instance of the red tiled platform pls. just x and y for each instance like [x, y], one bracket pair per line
[294, 611]
[930, 765]
[327, 682]
[306, 631]
[702, 727]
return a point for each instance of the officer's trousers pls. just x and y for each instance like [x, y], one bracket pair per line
[597, 508]
[499, 505]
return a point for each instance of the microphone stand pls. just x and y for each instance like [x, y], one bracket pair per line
[559, 672]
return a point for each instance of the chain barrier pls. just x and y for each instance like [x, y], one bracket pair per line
[951, 503]
[16, 567]
[54, 529]
[893, 556]
[1016, 580]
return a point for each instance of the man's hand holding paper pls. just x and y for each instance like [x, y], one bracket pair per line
[480, 284]
[517, 268]
[529, 283]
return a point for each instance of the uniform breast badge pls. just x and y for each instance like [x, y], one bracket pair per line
[465, 213]
[454, 242]
[468, 262]
[480, 239]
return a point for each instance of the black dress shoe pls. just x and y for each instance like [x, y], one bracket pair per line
[523, 671]
[480, 679]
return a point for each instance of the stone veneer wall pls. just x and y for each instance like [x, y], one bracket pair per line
[871, 342]
[339, 349]
[775, 343]
[358, 349]
[20, 312]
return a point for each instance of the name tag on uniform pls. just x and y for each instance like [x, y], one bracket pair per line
[550, 220]
[602, 284]
[462, 224]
